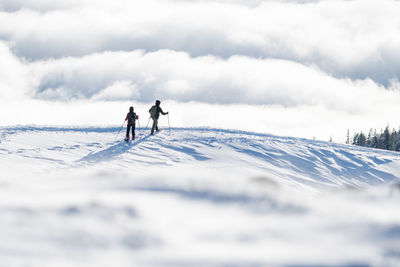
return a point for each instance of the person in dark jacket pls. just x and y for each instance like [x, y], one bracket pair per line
[131, 117]
[155, 115]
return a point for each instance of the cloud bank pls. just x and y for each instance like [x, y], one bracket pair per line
[354, 39]
[294, 59]
[174, 75]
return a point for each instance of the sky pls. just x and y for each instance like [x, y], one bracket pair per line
[305, 68]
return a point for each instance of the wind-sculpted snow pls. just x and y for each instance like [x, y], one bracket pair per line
[194, 197]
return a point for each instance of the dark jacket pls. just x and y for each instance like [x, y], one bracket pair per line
[131, 117]
[158, 111]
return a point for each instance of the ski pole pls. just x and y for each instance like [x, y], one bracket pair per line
[138, 124]
[119, 130]
[147, 124]
[169, 126]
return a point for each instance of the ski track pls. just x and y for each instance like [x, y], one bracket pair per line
[75, 196]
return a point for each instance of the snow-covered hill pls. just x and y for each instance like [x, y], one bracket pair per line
[194, 197]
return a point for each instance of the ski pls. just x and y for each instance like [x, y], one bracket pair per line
[156, 132]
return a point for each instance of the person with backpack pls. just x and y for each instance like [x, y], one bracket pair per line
[155, 114]
[131, 117]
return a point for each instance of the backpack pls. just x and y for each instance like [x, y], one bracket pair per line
[131, 118]
[153, 111]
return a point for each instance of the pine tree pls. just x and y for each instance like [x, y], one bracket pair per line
[387, 142]
[355, 139]
[362, 140]
[369, 138]
[375, 140]
[387, 139]
[393, 137]
[381, 140]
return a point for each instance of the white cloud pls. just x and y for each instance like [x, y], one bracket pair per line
[355, 39]
[39, 5]
[265, 95]
[174, 75]
[13, 82]
[120, 90]
[299, 61]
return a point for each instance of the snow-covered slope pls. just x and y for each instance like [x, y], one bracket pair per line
[194, 197]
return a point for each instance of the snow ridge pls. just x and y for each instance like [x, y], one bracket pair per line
[194, 197]
[310, 162]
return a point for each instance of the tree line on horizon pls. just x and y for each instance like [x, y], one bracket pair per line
[386, 139]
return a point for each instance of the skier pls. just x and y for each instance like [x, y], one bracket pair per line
[155, 114]
[131, 117]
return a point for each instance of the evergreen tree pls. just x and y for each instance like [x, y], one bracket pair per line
[386, 139]
[362, 140]
[355, 139]
[369, 138]
[375, 140]
[381, 140]
[393, 137]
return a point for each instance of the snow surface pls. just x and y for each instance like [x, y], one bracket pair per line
[194, 197]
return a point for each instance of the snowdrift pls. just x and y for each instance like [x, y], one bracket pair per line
[194, 197]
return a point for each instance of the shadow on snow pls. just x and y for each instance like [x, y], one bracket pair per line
[111, 152]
